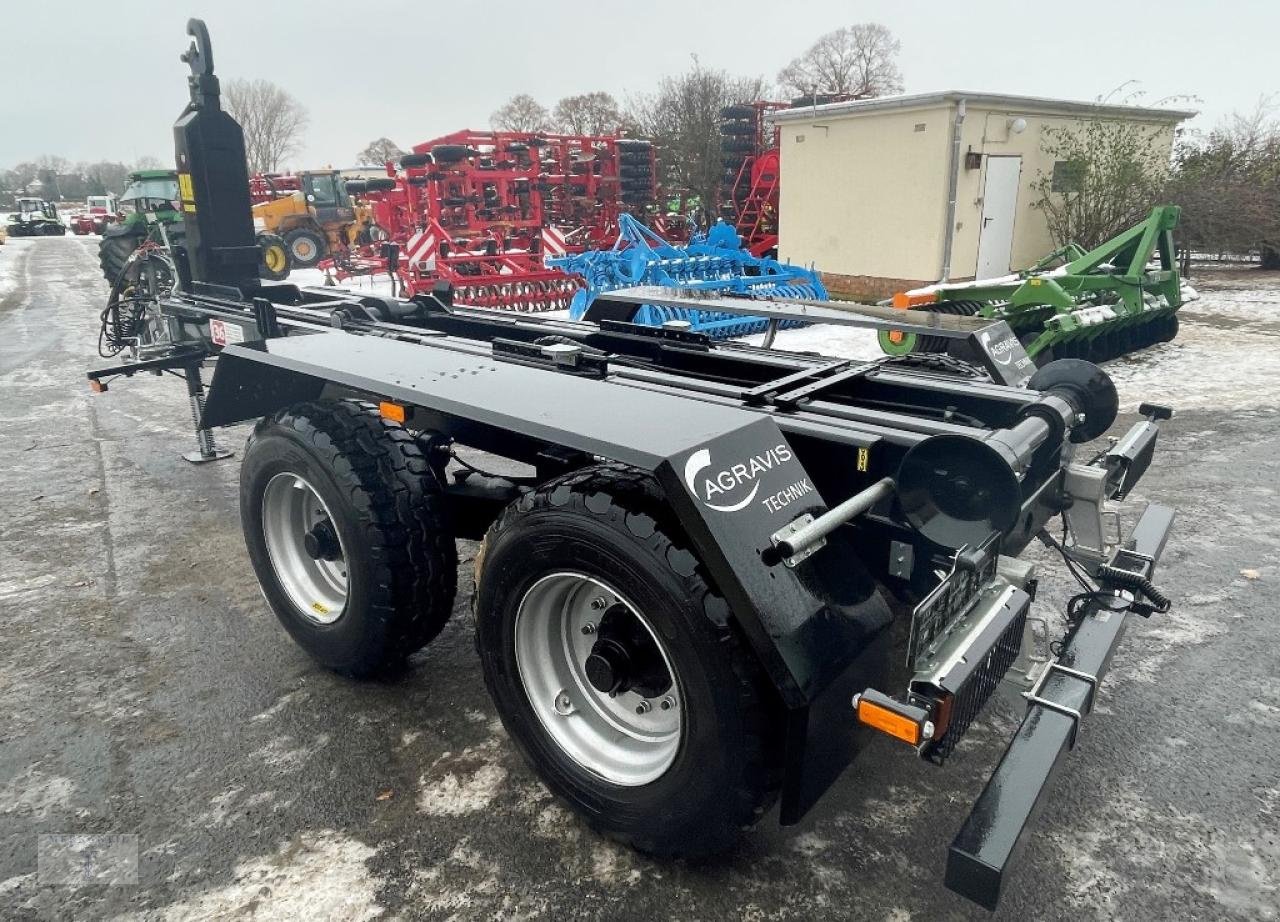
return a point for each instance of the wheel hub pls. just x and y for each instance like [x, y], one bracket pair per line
[304, 547]
[598, 678]
[608, 667]
[321, 542]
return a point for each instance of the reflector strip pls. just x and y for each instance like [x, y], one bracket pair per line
[881, 718]
[905, 299]
[391, 411]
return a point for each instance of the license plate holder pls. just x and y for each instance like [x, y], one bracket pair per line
[939, 611]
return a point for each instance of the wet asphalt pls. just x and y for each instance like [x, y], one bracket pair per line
[148, 692]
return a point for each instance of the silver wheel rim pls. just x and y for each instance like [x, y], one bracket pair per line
[304, 249]
[317, 587]
[626, 739]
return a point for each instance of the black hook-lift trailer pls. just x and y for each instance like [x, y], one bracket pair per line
[722, 567]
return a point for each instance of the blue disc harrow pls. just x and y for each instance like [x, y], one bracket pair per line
[714, 261]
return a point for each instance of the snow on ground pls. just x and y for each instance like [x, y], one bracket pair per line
[1227, 353]
[1236, 321]
[10, 264]
[361, 284]
[841, 341]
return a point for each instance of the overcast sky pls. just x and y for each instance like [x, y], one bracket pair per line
[94, 80]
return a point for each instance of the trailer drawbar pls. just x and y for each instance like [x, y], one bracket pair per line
[719, 570]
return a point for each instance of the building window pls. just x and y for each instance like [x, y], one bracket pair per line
[1068, 175]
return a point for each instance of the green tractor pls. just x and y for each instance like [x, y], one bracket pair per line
[151, 216]
[1098, 304]
[35, 218]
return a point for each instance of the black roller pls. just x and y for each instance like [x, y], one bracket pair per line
[1087, 388]
[957, 490]
[415, 160]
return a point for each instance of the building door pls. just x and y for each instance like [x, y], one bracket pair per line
[999, 204]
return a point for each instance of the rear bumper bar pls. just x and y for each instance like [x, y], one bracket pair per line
[991, 837]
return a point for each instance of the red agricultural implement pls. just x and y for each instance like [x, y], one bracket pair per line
[480, 209]
[749, 154]
[267, 187]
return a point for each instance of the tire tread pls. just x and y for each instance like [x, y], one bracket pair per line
[633, 505]
[389, 479]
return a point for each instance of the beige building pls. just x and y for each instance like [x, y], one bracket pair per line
[886, 194]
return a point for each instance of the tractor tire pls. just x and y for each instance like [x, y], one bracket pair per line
[737, 145]
[346, 529]
[737, 112]
[306, 247]
[628, 144]
[730, 129]
[380, 184]
[357, 186]
[684, 775]
[274, 262]
[114, 250]
[452, 153]
[942, 344]
[409, 161]
[54, 229]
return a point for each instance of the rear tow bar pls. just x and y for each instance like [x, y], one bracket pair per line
[996, 828]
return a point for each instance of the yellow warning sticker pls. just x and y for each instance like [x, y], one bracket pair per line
[186, 193]
[864, 459]
[319, 609]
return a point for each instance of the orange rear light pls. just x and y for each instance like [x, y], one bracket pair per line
[392, 411]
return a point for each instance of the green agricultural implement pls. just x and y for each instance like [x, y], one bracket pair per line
[1096, 304]
[35, 218]
[150, 206]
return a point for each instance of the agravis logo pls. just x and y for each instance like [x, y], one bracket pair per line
[718, 489]
[1001, 350]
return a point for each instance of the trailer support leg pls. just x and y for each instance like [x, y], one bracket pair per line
[206, 448]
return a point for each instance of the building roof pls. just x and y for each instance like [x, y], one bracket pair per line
[1029, 104]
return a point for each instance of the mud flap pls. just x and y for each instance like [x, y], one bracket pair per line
[820, 627]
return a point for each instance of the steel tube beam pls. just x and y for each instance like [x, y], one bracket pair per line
[833, 518]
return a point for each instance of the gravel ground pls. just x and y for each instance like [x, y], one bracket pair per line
[149, 693]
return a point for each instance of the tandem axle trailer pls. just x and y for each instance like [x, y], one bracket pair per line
[708, 572]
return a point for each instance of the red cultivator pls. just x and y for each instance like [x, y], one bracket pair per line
[479, 209]
[749, 153]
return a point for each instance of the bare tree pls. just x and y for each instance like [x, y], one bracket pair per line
[520, 113]
[148, 162]
[588, 113]
[23, 175]
[380, 152]
[683, 119]
[1228, 184]
[1107, 176]
[110, 176]
[858, 61]
[272, 119]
